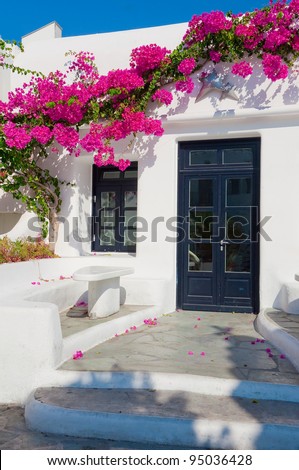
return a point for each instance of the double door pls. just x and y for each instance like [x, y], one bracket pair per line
[218, 252]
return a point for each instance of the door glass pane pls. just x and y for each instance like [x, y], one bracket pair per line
[108, 199]
[108, 217]
[201, 224]
[130, 198]
[130, 218]
[203, 157]
[238, 224]
[107, 237]
[237, 257]
[200, 257]
[111, 175]
[201, 193]
[129, 237]
[237, 156]
[238, 192]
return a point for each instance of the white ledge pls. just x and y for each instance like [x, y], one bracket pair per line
[285, 111]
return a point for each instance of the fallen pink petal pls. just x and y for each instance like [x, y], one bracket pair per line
[252, 342]
[77, 355]
[190, 353]
[198, 318]
[270, 355]
[282, 356]
[202, 353]
[226, 338]
[195, 326]
[268, 350]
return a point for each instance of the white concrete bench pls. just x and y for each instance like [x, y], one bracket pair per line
[103, 288]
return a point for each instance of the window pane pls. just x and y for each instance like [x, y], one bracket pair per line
[107, 237]
[238, 192]
[237, 257]
[108, 199]
[130, 174]
[201, 193]
[130, 198]
[237, 156]
[238, 224]
[200, 257]
[201, 224]
[203, 157]
[111, 175]
[130, 218]
[108, 217]
[130, 237]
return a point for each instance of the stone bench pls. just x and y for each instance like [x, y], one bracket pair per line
[103, 288]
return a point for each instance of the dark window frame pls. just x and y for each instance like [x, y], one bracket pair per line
[119, 186]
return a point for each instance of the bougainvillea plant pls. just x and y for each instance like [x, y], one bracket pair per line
[45, 116]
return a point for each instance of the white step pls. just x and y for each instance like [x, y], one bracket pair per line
[165, 417]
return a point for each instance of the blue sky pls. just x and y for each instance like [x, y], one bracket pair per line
[97, 16]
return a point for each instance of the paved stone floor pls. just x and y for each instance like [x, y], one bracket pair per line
[224, 345]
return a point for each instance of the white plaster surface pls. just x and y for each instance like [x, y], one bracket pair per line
[30, 332]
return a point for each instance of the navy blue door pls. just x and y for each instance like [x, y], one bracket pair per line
[218, 255]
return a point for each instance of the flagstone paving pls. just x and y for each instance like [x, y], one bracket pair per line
[224, 345]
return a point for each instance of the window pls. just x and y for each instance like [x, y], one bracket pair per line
[114, 208]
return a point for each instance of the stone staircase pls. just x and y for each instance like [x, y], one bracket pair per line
[171, 418]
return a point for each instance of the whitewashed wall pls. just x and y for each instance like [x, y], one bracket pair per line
[266, 110]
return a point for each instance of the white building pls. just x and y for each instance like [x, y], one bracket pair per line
[225, 171]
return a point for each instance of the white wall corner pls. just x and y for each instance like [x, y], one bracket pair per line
[50, 31]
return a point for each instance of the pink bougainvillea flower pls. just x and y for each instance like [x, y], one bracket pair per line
[268, 350]
[77, 355]
[133, 328]
[81, 304]
[163, 96]
[198, 318]
[185, 86]
[202, 353]
[243, 69]
[187, 66]
[215, 56]
[190, 353]
[150, 321]
[127, 331]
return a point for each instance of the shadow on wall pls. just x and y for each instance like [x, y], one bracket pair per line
[8, 220]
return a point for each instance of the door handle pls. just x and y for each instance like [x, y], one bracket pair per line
[223, 242]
